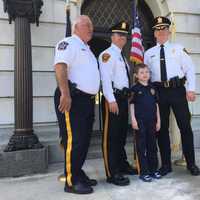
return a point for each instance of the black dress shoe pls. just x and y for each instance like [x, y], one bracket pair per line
[164, 170]
[118, 179]
[86, 180]
[128, 170]
[194, 170]
[79, 188]
[89, 182]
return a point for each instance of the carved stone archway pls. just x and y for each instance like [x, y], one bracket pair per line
[106, 13]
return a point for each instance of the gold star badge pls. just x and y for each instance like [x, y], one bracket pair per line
[105, 57]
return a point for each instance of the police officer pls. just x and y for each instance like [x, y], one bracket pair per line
[170, 68]
[78, 82]
[115, 81]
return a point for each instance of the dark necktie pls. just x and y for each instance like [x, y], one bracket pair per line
[127, 71]
[163, 71]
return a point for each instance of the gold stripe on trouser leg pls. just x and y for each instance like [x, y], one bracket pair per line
[105, 139]
[68, 150]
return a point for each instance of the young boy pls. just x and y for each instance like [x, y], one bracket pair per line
[146, 121]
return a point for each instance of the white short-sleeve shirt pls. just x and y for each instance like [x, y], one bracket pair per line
[81, 62]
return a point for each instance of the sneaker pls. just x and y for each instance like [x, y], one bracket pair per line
[156, 175]
[145, 178]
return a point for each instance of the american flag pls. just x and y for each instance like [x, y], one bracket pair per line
[137, 50]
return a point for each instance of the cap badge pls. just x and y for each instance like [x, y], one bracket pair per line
[159, 20]
[123, 25]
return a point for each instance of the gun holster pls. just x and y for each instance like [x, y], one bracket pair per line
[126, 92]
[72, 88]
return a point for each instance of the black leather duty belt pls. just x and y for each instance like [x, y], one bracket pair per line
[84, 94]
[124, 93]
[174, 82]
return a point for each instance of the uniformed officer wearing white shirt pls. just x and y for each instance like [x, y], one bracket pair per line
[115, 81]
[78, 81]
[172, 72]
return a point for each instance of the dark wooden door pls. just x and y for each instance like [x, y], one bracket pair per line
[104, 14]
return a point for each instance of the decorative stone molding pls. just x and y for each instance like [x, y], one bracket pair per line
[29, 9]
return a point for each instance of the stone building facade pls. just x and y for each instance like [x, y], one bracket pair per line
[104, 13]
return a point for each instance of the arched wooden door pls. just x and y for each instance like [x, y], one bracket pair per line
[104, 14]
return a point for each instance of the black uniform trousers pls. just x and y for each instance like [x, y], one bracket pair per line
[75, 130]
[114, 136]
[146, 146]
[175, 98]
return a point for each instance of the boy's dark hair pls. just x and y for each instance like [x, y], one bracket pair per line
[139, 66]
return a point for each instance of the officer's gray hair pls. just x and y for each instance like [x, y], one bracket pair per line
[79, 20]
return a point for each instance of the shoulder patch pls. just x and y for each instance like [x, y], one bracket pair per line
[184, 49]
[62, 46]
[105, 57]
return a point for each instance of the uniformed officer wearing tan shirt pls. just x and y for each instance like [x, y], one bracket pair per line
[172, 72]
[78, 82]
[115, 81]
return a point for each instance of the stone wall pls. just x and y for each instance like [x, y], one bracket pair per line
[52, 29]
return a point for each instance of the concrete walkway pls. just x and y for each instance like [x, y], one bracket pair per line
[179, 185]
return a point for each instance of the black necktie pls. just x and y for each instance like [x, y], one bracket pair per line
[163, 71]
[127, 71]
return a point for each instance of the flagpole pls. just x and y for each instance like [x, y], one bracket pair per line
[68, 21]
[135, 156]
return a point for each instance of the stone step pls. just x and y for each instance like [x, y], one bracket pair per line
[55, 152]
[48, 135]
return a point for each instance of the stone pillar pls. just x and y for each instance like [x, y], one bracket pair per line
[23, 12]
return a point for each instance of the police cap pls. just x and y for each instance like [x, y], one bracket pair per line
[161, 22]
[121, 27]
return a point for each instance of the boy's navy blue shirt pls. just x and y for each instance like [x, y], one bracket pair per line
[144, 99]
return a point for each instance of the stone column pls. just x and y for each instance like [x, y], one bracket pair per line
[23, 12]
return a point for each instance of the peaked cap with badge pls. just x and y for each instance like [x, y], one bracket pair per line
[121, 27]
[161, 22]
